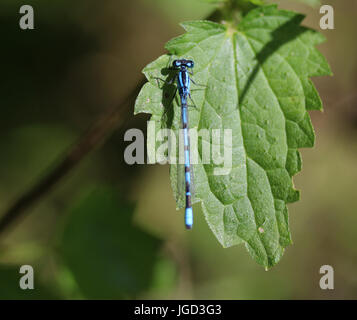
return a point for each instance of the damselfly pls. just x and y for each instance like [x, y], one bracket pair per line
[183, 85]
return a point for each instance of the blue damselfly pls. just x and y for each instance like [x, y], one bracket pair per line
[183, 85]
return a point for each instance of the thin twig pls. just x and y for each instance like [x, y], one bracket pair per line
[91, 139]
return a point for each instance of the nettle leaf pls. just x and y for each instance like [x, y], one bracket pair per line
[257, 84]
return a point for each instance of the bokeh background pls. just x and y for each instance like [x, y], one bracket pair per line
[109, 230]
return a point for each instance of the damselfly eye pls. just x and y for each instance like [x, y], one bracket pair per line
[176, 63]
[190, 64]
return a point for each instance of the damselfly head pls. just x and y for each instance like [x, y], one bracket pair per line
[183, 63]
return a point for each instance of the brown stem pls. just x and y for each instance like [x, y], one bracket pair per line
[91, 139]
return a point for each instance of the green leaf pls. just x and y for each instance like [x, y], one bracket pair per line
[257, 84]
[108, 256]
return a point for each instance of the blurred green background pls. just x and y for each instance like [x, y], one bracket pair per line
[109, 230]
